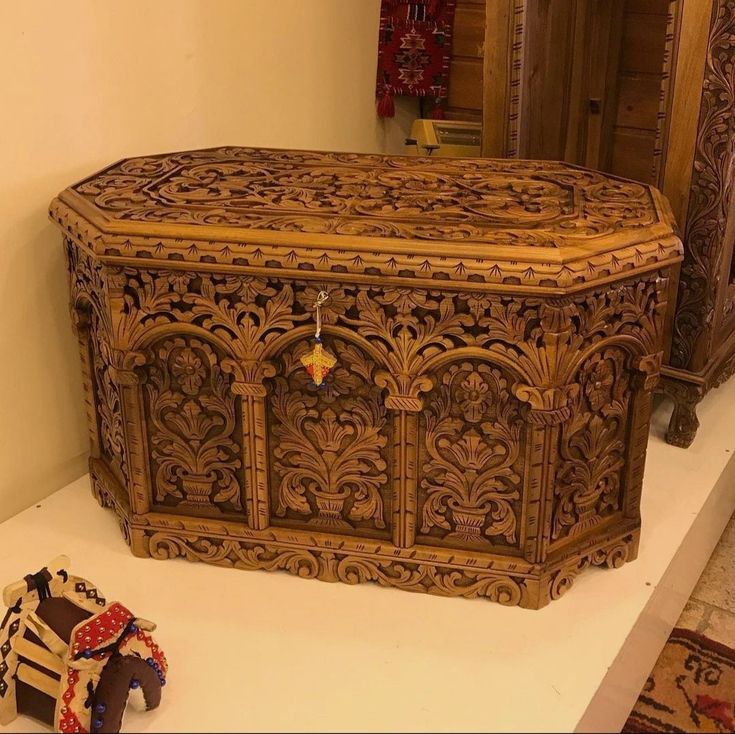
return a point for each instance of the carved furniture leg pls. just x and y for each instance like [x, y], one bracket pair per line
[684, 422]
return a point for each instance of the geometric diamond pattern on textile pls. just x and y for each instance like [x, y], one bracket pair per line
[414, 48]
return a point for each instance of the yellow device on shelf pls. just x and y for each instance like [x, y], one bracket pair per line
[445, 138]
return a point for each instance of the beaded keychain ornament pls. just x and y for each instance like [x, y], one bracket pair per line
[318, 363]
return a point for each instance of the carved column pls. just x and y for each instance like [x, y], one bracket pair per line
[255, 463]
[123, 373]
[645, 381]
[549, 408]
[405, 412]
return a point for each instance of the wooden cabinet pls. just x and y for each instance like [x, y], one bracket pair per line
[465, 65]
[497, 327]
[696, 174]
[644, 89]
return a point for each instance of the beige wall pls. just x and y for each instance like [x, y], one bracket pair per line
[85, 82]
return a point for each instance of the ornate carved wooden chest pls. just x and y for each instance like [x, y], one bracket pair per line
[498, 328]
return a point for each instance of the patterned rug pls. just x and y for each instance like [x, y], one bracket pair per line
[691, 689]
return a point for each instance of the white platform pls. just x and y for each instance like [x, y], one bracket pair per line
[254, 651]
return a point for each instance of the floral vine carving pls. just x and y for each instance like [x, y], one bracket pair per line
[409, 326]
[349, 569]
[193, 426]
[529, 202]
[245, 312]
[90, 314]
[472, 447]
[329, 444]
[109, 411]
[592, 447]
[711, 196]
[406, 326]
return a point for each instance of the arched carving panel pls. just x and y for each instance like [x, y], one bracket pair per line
[592, 446]
[471, 451]
[329, 446]
[193, 427]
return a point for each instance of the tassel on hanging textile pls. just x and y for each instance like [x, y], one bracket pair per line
[386, 108]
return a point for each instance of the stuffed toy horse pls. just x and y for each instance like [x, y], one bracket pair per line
[68, 658]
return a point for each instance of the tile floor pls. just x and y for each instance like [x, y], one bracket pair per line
[711, 607]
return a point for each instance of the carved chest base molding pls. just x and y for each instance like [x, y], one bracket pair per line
[320, 556]
[497, 329]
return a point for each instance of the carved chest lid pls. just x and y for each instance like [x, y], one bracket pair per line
[523, 223]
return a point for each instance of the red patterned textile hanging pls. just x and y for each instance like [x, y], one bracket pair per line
[413, 53]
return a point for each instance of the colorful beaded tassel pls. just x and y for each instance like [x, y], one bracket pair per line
[318, 363]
